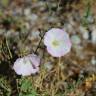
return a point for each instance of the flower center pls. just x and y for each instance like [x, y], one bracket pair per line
[55, 43]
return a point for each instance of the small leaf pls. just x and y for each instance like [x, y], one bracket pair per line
[26, 84]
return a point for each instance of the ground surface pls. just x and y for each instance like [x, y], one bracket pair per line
[22, 26]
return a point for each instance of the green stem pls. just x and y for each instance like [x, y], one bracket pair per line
[8, 48]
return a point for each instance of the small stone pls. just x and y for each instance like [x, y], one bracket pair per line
[48, 66]
[90, 19]
[72, 22]
[69, 28]
[27, 11]
[34, 34]
[84, 32]
[9, 33]
[85, 35]
[82, 29]
[76, 15]
[93, 36]
[32, 17]
[18, 11]
[79, 51]
[34, 38]
[27, 25]
[2, 31]
[93, 61]
[52, 19]
[75, 39]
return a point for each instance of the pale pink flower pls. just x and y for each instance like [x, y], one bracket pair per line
[57, 42]
[27, 65]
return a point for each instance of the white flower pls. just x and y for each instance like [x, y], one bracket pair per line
[57, 42]
[27, 65]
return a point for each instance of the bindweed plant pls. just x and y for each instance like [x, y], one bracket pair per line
[26, 87]
[58, 44]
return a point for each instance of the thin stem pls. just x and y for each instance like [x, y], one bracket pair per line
[39, 43]
[59, 61]
[8, 48]
[58, 70]
[49, 8]
[58, 5]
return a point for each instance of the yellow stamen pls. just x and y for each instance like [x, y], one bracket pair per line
[55, 43]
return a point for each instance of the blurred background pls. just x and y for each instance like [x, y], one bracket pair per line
[22, 26]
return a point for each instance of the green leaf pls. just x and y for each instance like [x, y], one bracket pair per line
[25, 85]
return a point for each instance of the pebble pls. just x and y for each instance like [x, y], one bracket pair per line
[35, 38]
[48, 66]
[2, 31]
[11, 34]
[85, 35]
[35, 33]
[76, 15]
[27, 26]
[33, 17]
[79, 51]
[69, 28]
[90, 19]
[84, 32]
[27, 11]
[93, 36]
[18, 11]
[71, 21]
[82, 29]
[93, 61]
[75, 39]
[52, 19]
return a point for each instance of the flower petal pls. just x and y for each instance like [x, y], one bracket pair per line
[57, 35]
